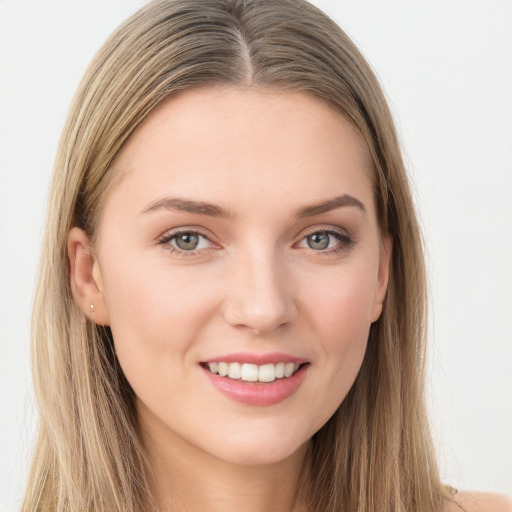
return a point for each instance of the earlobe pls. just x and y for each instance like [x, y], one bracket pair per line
[85, 277]
[383, 277]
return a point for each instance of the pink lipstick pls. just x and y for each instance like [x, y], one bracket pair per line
[256, 379]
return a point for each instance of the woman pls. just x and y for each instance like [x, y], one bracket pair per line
[231, 302]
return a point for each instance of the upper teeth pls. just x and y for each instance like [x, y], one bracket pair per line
[253, 372]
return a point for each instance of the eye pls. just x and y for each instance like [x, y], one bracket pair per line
[325, 240]
[186, 241]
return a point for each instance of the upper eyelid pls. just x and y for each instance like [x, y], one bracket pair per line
[168, 235]
[323, 229]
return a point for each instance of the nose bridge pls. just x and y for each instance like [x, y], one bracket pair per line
[260, 295]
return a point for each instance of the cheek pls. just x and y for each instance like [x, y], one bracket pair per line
[341, 304]
[146, 296]
[340, 322]
[155, 315]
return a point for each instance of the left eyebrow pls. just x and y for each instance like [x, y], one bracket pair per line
[330, 204]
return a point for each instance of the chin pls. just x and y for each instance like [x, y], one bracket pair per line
[252, 456]
[259, 446]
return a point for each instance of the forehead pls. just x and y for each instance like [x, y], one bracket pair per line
[237, 145]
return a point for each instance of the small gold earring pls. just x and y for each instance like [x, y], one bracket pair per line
[93, 309]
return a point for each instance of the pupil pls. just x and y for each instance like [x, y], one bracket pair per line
[318, 241]
[187, 241]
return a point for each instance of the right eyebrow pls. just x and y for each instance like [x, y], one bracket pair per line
[186, 205]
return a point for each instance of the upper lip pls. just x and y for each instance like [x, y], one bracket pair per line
[259, 359]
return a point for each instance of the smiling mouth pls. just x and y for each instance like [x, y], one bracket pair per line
[248, 372]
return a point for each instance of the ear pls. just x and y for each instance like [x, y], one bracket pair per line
[85, 277]
[382, 277]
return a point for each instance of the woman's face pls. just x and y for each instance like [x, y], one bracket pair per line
[242, 233]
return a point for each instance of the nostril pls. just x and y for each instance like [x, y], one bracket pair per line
[259, 300]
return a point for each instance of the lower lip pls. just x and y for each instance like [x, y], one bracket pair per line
[258, 393]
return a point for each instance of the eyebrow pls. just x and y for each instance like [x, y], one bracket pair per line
[189, 206]
[213, 210]
[330, 204]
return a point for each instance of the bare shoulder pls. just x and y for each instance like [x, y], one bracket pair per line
[470, 501]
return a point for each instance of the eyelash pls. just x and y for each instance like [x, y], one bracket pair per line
[345, 242]
[166, 239]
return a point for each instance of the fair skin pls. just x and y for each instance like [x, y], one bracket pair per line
[479, 502]
[242, 230]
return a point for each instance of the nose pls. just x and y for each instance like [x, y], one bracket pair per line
[260, 294]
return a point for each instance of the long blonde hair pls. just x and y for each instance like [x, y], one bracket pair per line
[375, 453]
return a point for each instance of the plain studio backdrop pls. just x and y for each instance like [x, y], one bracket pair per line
[446, 67]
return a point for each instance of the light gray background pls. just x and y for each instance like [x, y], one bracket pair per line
[447, 69]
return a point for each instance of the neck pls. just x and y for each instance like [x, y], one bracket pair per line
[185, 478]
